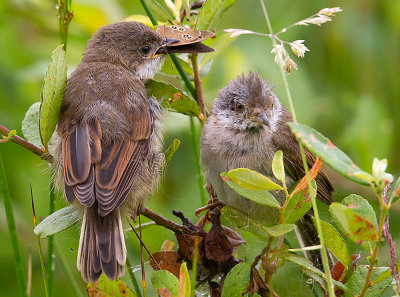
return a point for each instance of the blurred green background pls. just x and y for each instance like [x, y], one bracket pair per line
[347, 87]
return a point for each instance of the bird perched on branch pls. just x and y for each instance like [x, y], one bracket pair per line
[109, 157]
[246, 127]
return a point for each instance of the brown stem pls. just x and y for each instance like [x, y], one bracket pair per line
[159, 220]
[198, 85]
[27, 145]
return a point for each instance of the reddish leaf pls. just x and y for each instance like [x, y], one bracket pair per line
[167, 260]
[217, 246]
[303, 184]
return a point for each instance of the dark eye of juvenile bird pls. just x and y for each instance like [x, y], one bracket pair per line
[239, 107]
[145, 49]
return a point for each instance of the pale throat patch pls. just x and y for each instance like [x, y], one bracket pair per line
[149, 69]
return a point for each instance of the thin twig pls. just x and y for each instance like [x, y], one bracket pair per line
[142, 261]
[142, 243]
[197, 84]
[159, 220]
[26, 144]
[324, 255]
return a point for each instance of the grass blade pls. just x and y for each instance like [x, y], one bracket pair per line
[12, 229]
[46, 290]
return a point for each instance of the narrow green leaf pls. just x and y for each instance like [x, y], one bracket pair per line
[357, 279]
[5, 195]
[353, 225]
[330, 154]
[171, 150]
[169, 67]
[251, 180]
[58, 221]
[242, 220]
[298, 205]
[173, 98]
[107, 288]
[257, 196]
[165, 281]
[395, 191]
[307, 268]
[281, 229]
[184, 281]
[211, 12]
[335, 243]
[277, 166]
[52, 94]
[237, 280]
[362, 207]
[219, 44]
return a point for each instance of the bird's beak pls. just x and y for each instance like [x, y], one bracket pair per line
[163, 48]
[263, 118]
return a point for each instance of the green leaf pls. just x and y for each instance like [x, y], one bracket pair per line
[251, 180]
[211, 12]
[357, 279]
[219, 44]
[257, 196]
[30, 129]
[353, 225]
[237, 280]
[107, 288]
[173, 98]
[184, 281]
[298, 205]
[242, 220]
[30, 125]
[165, 281]
[58, 221]
[52, 94]
[171, 150]
[281, 229]
[395, 191]
[362, 207]
[330, 154]
[335, 243]
[144, 19]
[169, 67]
[307, 268]
[277, 166]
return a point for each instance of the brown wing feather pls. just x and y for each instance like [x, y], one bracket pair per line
[292, 158]
[94, 171]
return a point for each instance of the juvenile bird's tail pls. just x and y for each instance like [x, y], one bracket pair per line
[308, 236]
[101, 246]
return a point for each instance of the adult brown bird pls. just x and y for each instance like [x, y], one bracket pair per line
[246, 127]
[109, 157]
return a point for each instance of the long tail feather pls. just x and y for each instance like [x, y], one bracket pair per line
[101, 246]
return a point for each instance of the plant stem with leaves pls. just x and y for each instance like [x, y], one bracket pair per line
[324, 254]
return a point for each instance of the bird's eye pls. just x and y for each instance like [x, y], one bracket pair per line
[271, 105]
[239, 107]
[145, 49]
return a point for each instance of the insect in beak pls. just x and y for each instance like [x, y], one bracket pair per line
[163, 47]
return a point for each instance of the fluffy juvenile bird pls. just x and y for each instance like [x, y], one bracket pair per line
[246, 127]
[110, 156]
